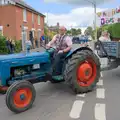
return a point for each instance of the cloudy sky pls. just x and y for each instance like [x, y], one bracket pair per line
[68, 14]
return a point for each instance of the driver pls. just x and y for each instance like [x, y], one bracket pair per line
[63, 45]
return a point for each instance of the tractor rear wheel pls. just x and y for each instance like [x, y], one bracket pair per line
[82, 71]
[20, 96]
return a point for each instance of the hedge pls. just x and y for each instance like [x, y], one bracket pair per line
[113, 29]
[3, 49]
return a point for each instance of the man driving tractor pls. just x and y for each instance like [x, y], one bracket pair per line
[63, 45]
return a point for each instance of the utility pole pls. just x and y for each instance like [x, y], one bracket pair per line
[95, 22]
[48, 26]
[23, 39]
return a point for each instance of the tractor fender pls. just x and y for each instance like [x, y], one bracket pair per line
[78, 49]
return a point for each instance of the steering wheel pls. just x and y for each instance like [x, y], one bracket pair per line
[46, 48]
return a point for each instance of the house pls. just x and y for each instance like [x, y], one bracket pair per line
[16, 16]
[54, 28]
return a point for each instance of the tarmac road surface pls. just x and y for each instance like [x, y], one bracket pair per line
[58, 102]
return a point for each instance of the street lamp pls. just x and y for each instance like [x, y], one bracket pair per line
[95, 19]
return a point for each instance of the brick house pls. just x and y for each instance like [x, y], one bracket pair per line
[54, 28]
[16, 13]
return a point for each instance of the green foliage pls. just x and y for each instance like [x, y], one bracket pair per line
[113, 29]
[3, 49]
[18, 46]
[74, 31]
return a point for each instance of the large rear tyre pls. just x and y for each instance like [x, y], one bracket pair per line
[20, 96]
[82, 71]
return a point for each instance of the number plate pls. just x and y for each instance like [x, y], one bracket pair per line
[36, 66]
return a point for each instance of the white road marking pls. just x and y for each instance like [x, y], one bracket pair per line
[100, 113]
[100, 93]
[100, 82]
[81, 95]
[101, 74]
[76, 109]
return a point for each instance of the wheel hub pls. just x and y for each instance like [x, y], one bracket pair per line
[22, 96]
[84, 72]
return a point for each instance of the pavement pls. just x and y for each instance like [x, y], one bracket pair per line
[58, 102]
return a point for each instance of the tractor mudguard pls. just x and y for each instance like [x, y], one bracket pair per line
[78, 49]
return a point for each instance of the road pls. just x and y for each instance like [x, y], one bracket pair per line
[57, 102]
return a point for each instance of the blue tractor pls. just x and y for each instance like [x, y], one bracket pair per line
[18, 72]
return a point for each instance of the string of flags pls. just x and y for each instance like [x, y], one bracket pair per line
[109, 16]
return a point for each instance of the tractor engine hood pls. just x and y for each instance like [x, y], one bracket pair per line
[19, 56]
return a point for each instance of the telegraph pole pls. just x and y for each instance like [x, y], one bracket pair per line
[23, 39]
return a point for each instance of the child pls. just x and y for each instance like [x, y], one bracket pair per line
[28, 45]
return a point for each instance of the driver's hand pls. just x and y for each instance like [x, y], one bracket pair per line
[60, 51]
[48, 46]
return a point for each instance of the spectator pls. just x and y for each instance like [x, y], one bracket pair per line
[36, 41]
[8, 45]
[12, 46]
[31, 38]
[42, 40]
[28, 45]
[105, 36]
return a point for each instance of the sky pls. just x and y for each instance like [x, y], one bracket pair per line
[67, 14]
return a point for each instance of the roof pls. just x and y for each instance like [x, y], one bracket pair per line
[24, 4]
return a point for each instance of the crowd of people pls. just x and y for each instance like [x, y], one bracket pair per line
[10, 44]
[30, 44]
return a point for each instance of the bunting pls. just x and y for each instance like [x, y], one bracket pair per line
[107, 17]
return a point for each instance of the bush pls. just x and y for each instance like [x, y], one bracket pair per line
[18, 46]
[3, 48]
[113, 29]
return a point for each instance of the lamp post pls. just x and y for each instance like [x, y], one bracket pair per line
[95, 19]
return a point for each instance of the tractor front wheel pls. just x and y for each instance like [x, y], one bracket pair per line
[82, 71]
[20, 96]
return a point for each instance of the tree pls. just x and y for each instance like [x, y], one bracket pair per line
[79, 31]
[88, 31]
[74, 31]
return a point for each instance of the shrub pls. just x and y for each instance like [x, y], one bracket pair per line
[113, 29]
[18, 46]
[3, 48]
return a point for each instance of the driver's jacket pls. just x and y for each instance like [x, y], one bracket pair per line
[62, 42]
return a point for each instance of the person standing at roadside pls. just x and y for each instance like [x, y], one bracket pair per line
[12, 46]
[28, 45]
[8, 45]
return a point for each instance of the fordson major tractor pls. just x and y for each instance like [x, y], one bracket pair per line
[18, 73]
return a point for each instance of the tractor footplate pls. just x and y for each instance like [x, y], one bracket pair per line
[58, 77]
[3, 89]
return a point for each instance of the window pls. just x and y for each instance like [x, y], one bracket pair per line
[32, 17]
[1, 30]
[1, 2]
[38, 20]
[4, 2]
[24, 15]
